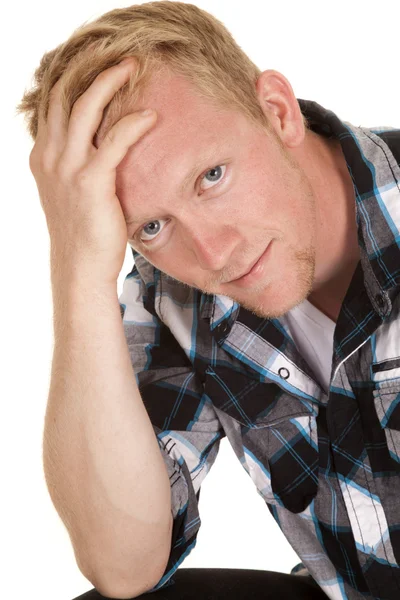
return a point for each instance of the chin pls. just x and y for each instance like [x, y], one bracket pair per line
[278, 296]
[270, 305]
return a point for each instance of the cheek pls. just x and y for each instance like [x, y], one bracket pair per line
[173, 262]
[251, 196]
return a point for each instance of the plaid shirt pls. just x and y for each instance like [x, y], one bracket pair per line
[326, 464]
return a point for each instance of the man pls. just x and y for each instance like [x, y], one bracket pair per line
[300, 366]
[264, 306]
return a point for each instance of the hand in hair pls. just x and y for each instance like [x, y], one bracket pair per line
[76, 180]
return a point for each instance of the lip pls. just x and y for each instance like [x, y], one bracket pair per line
[256, 269]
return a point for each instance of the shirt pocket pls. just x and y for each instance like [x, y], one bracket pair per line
[387, 406]
[278, 435]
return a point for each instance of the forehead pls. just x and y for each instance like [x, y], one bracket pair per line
[187, 123]
[191, 134]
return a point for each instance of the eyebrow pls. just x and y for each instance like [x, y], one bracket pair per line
[201, 161]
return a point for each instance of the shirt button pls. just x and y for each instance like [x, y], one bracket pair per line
[284, 373]
[223, 327]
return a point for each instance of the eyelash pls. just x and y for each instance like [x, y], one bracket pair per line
[145, 243]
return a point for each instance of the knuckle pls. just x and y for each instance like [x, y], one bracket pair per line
[101, 78]
[103, 75]
[56, 88]
[83, 179]
[53, 93]
[78, 107]
[47, 162]
[62, 172]
[110, 136]
[40, 163]
[54, 96]
[33, 160]
[59, 172]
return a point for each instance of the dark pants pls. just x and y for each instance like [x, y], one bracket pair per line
[235, 584]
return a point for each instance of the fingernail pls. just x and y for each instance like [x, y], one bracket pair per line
[146, 112]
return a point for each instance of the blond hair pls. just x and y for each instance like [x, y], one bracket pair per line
[179, 36]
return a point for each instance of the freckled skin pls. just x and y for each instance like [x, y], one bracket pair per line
[290, 185]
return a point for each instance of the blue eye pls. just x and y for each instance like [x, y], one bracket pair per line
[214, 175]
[153, 228]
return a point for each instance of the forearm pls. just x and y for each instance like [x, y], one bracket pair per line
[103, 466]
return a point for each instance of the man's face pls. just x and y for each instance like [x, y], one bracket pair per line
[247, 191]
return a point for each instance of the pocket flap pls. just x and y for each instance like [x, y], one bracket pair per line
[252, 402]
[387, 405]
[281, 433]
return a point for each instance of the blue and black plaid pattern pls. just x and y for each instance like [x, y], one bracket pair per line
[326, 464]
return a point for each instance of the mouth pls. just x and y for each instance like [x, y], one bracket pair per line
[255, 270]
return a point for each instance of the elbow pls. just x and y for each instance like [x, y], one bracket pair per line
[145, 571]
[120, 590]
[125, 586]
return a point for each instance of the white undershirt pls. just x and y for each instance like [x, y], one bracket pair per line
[312, 332]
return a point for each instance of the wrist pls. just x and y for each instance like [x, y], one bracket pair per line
[76, 285]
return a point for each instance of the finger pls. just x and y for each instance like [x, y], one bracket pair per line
[126, 132]
[51, 129]
[87, 112]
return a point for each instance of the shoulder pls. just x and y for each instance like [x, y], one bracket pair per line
[391, 137]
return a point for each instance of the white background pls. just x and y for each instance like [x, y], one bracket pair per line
[343, 55]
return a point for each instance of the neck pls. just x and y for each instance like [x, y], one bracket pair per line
[337, 249]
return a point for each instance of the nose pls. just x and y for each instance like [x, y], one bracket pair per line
[212, 246]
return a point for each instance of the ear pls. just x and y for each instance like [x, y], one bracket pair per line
[281, 108]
